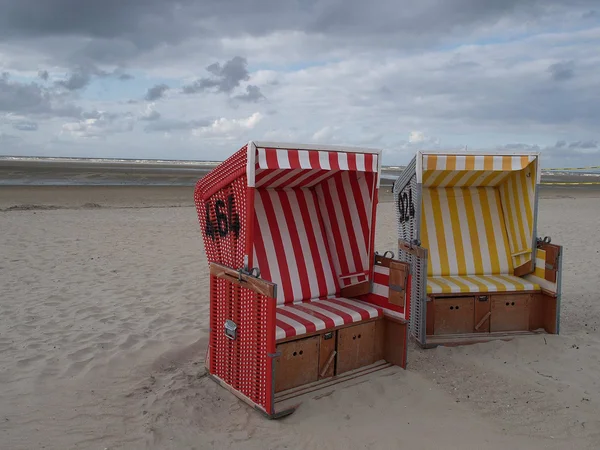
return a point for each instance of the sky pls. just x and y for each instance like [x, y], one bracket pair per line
[197, 79]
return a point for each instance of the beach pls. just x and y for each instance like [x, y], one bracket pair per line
[104, 329]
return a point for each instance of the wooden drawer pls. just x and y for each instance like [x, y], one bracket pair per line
[510, 312]
[454, 315]
[356, 347]
[298, 363]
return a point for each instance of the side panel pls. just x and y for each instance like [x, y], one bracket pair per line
[242, 334]
[223, 222]
[390, 287]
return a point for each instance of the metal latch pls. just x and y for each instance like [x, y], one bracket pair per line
[327, 336]
[482, 298]
[230, 329]
[396, 287]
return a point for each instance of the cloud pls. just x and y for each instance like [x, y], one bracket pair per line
[252, 95]
[31, 98]
[461, 72]
[43, 74]
[325, 134]
[156, 92]
[224, 77]
[170, 125]
[419, 138]
[9, 139]
[562, 71]
[150, 114]
[25, 126]
[230, 128]
[81, 76]
[99, 124]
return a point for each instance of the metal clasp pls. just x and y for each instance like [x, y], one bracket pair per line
[230, 329]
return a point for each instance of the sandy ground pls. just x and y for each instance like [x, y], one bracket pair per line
[103, 333]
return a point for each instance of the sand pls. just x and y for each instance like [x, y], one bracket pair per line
[103, 336]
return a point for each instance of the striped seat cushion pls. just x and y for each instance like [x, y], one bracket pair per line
[297, 319]
[478, 283]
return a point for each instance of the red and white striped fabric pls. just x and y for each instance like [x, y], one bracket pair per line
[297, 319]
[291, 168]
[290, 245]
[346, 205]
[380, 293]
[312, 241]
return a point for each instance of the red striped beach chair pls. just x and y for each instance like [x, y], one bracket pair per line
[299, 299]
[467, 226]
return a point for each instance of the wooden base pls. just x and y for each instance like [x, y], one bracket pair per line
[337, 351]
[312, 363]
[481, 317]
[284, 399]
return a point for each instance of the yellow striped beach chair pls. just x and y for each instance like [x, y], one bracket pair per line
[467, 225]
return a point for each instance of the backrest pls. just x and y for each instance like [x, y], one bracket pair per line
[290, 246]
[464, 230]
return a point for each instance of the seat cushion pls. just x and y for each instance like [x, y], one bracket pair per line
[297, 319]
[478, 283]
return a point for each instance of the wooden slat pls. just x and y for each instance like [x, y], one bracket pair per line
[321, 384]
[327, 348]
[258, 285]
[395, 342]
[474, 338]
[482, 313]
[524, 269]
[420, 252]
[355, 290]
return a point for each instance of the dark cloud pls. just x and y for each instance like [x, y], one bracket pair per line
[156, 92]
[562, 71]
[43, 74]
[31, 98]
[584, 144]
[225, 78]
[9, 138]
[252, 95]
[22, 97]
[563, 153]
[77, 80]
[167, 125]
[81, 76]
[117, 31]
[25, 126]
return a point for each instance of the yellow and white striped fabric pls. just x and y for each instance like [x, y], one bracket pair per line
[477, 221]
[464, 230]
[539, 274]
[476, 163]
[478, 283]
[517, 195]
[540, 263]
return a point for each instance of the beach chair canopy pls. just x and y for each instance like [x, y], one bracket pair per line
[476, 216]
